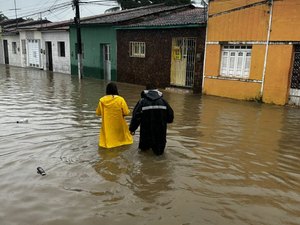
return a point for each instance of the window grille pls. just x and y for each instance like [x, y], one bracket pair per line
[137, 49]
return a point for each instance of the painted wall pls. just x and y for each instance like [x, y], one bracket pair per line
[286, 20]
[250, 25]
[30, 35]
[1, 49]
[60, 64]
[14, 57]
[92, 37]
[277, 81]
[156, 66]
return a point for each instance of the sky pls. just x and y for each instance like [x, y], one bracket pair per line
[53, 10]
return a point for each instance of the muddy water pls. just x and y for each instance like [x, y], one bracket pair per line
[226, 162]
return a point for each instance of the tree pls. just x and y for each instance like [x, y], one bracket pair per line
[2, 17]
[129, 4]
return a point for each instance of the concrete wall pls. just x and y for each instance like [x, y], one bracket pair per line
[60, 64]
[156, 66]
[14, 57]
[229, 22]
[92, 37]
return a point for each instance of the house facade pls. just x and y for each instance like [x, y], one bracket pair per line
[37, 44]
[167, 51]
[56, 49]
[11, 49]
[252, 50]
[99, 39]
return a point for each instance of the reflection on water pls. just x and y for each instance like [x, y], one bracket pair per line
[226, 161]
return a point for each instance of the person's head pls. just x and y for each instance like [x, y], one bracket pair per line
[150, 86]
[111, 89]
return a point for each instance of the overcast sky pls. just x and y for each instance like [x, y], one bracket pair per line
[53, 10]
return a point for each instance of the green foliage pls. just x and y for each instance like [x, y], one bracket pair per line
[129, 4]
[2, 17]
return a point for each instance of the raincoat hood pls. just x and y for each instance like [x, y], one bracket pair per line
[152, 94]
[109, 99]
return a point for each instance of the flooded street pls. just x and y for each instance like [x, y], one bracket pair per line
[227, 162]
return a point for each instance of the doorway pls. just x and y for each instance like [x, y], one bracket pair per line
[49, 60]
[183, 62]
[106, 61]
[6, 57]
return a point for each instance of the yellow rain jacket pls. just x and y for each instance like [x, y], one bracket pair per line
[114, 130]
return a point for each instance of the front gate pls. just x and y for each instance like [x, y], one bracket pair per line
[294, 98]
[183, 62]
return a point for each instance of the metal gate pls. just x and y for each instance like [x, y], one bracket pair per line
[295, 80]
[183, 61]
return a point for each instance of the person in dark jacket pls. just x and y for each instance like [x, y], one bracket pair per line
[152, 113]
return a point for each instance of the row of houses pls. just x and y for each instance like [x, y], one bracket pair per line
[246, 49]
[164, 44]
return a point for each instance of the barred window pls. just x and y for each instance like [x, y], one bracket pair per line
[137, 49]
[236, 61]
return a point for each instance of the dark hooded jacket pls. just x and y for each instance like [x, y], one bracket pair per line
[152, 113]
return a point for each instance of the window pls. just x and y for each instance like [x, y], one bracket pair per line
[236, 61]
[137, 49]
[14, 47]
[23, 46]
[61, 49]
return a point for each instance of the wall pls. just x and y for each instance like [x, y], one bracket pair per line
[250, 26]
[156, 66]
[1, 49]
[14, 58]
[279, 65]
[25, 35]
[92, 36]
[60, 64]
[286, 21]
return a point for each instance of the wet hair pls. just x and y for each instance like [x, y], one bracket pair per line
[111, 89]
[150, 86]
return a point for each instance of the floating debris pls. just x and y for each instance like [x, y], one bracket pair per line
[41, 171]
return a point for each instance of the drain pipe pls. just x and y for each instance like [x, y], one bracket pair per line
[205, 45]
[271, 3]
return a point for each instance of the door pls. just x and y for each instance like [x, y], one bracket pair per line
[183, 62]
[5, 46]
[49, 60]
[294, 98]
[106, 62]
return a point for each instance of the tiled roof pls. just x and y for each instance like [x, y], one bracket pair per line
[185, 17]
[130, 14]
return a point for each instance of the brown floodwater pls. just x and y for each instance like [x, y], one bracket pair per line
[227, 162]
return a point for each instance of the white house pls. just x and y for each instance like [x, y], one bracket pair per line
[56, 49]
[11, 49]
[39, 45]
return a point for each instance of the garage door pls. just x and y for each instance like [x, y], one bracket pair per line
[34, 53]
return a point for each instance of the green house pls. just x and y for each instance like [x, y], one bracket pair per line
[99, 39]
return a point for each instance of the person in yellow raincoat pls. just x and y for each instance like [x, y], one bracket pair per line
[112, 108]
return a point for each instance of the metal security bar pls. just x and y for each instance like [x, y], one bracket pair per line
[190, 45]
[295, 83]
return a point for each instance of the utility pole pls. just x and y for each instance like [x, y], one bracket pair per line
[16, 14]
[79, 44]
